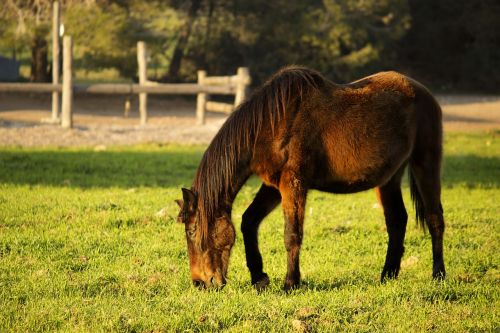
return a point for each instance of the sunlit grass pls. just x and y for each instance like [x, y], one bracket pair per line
[85, 246]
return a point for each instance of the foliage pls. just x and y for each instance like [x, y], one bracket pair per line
[454, 43]
[343, 39]
[22, 19]
[115, 30]
[28, 22]
[447, 44]
[89, 242]
[105, 49]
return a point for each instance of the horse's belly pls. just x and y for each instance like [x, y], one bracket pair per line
[350, 174]
[334, 182]
[355, 162]
[343, 188]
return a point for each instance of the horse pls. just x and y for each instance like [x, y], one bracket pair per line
[300, 131]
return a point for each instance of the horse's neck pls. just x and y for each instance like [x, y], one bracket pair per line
[242, 173]
[218, 180]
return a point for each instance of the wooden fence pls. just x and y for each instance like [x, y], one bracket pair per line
[237, 85]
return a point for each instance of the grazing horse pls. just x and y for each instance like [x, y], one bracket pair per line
[300, 131]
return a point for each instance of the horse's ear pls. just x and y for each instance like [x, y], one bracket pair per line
[179, 203]
[189, 199]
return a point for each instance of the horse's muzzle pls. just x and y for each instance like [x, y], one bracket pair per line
[212, 283]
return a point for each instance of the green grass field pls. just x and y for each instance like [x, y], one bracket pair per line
[84, 248]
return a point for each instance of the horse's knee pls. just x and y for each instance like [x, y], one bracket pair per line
[293, 240]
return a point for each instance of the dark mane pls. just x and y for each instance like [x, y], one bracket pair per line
[236, 138]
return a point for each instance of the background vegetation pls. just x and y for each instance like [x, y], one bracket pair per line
[446, 44]
[89, 242]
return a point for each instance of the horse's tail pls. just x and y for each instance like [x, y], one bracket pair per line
[418, 203]
[427, 151]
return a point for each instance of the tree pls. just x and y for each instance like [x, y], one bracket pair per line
[106, 33]
[343, 39]
[351, 38]
[185, 32]
[454, 44]
[443, 42]
[30, 20]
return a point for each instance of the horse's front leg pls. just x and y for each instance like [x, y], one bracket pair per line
[293, 198]
[265, 201]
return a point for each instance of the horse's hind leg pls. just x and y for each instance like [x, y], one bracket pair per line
[265, 201]
[425, 174]
[395, 220]
[427, 178]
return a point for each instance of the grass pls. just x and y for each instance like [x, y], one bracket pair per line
[83, 248]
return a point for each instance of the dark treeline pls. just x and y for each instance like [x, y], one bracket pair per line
[447, 44]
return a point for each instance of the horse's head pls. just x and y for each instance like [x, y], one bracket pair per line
[208, 264]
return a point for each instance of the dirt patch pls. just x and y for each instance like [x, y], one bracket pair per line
[99, 120]
[470, 113]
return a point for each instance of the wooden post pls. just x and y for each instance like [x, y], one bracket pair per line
[201, 100]
[56, 15]
[142, 66]
[126, 110]
[67, 84]
[242, 85]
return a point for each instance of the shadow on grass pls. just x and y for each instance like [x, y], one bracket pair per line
[471, 170]
[166, 167]
[86, 168]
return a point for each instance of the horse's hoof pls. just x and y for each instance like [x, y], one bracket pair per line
[290, 285]
[262, 283]
[389, 274]
[439, 275]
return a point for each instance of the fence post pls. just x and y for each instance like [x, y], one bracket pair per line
[201, 100]
[143, 78]
[67, 84]
[242, 85]
[126, 107]
[56, 17]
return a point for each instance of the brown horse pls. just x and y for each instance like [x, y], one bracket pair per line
[300, 131]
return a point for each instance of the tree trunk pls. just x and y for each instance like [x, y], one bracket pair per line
[208, 30]
[175, 64]
[39, 60]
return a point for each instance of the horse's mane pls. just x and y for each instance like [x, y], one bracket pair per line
[266, 107]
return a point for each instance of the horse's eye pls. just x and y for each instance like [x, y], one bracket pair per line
[190, 233]
[182, 217]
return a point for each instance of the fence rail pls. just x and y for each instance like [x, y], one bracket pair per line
[122, 88]
[30, 87]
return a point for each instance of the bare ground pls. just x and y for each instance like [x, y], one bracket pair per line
[99, 120]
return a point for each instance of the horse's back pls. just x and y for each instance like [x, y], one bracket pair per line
[345, 138]
[384, 81]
